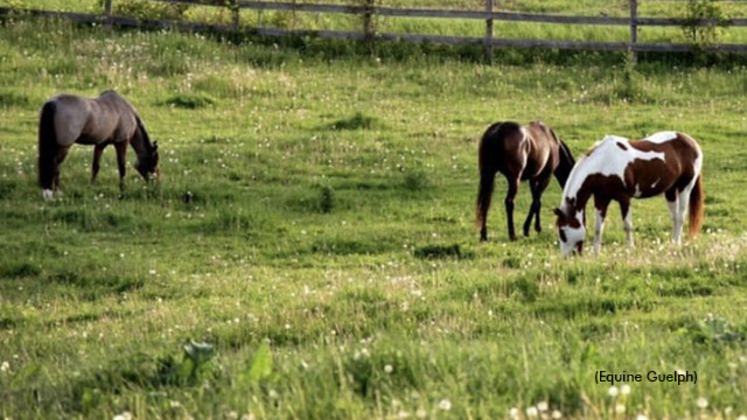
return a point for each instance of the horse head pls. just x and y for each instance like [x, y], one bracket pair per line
[147, 165]
[571, 229]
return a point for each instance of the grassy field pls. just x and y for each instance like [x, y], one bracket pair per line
[314, 224]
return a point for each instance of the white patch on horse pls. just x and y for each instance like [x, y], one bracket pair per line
[654, 184]
[606, 159]
[637, 191]
[47, 195]
[661, 137]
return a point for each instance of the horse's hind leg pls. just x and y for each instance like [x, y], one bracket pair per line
[121, 149]
[673, 201]
[98, 150]
[58, 159]
[513, 188]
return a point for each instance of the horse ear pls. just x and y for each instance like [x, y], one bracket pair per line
[155, 145]
[557, 212]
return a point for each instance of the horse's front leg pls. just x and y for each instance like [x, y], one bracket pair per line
[627, 216]
[600, 204]
[537, 187]
[98, 150]
[121, 149]
[513, 188]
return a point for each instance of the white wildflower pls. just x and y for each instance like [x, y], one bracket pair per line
[445, 404]
[513, 413]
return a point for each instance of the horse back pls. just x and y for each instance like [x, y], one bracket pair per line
[681, 163]
[543, 148]
[503, 148]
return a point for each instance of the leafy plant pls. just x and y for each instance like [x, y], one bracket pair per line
[147, 9]
[261, 367]
[326, 199]
[703, 11]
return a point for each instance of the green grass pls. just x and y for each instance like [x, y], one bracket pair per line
[321, 201]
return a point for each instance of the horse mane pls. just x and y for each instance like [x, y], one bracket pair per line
[566, 160]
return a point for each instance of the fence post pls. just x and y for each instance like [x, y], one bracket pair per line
[108, 14]
[235, 14]
[368, 27]
[633, 30]
[489, 30]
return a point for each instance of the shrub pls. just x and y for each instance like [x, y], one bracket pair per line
[147, 9]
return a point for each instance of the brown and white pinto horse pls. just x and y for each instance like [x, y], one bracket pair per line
[666, 163]
[533, 153]
[107, 119]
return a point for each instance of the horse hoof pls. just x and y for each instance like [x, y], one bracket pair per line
[47, 195]
[483, 238]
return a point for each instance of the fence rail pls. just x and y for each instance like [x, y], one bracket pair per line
[367, 10]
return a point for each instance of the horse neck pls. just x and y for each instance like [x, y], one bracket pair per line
[141, 143]
[565, 165]
[577, 190]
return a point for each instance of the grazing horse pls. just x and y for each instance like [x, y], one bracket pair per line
[107, 119]
[532, 153]
[666, 163]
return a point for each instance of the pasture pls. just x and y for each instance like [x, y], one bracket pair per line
[314, 223]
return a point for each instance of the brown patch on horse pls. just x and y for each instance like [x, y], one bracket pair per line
[656, 176]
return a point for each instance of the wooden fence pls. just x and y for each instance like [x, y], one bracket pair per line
[367, 10]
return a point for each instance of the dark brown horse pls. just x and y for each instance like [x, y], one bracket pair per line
[107, 119]
[531, 153]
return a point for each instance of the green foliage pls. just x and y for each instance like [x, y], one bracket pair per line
[146, 9]
[13, 99]
[359, 121]
[441, 252]
[416, 181]
[698, 12]
[326, 199]
[189, 101]
[717, 332]
[261, 365]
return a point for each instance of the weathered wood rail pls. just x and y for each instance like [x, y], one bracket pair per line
[367, 9]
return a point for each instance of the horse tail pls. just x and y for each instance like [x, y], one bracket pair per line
[696, 207]
[48, 146]
[487, 175]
